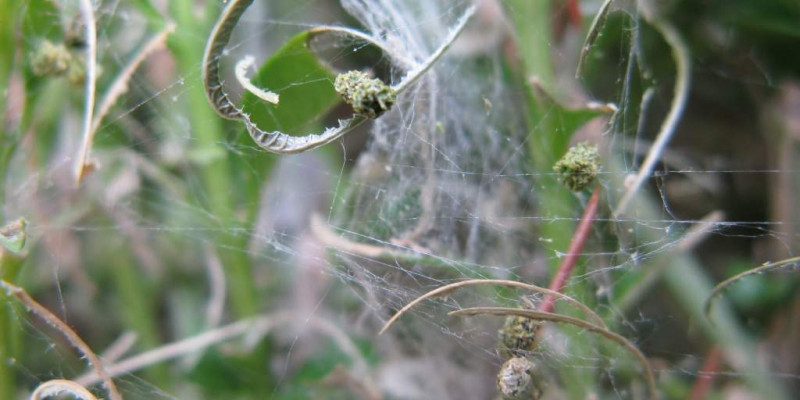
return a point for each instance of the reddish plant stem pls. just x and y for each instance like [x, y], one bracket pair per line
[574, 11]
[574, 251]
[705, 377]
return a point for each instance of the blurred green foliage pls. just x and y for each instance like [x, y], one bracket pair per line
[214, 190]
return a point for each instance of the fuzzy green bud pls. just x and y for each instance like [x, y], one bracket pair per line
[369, 97]
[50, 59]
[579, 167]
[76, 74]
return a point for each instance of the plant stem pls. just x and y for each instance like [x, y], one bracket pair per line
[574, 13]
[7, 388]
[680, 51]
[8, 11]
[705, 377]
[575, 248]
[207, 129]
[87, 13]
[140, 315]
[10, 341]
[548, 139]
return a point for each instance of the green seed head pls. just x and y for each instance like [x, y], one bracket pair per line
[578, 168]
[76, 74]
[369, 97]
[50, 59]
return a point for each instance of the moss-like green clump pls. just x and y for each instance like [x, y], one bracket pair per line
[76, 74]
[579, 167]
[51, 59]
[369, 97]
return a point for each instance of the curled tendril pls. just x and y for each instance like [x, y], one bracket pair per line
[276, 141]
[720, 288]
[241, 76]
[60, 387]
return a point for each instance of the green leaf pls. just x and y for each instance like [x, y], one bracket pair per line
[42, 20]
[551, 126]
[554, 125]
[9, 13]
[774, 17]
[306, 92]
[305, 87]
[150, 12]
[532, 27]
[236, 375]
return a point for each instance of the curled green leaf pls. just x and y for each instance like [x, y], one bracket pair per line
[13, 236]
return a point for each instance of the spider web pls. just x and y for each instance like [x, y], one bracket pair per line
[440, 189]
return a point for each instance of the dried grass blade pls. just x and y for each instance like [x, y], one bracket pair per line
[72, 337]
[498, 282]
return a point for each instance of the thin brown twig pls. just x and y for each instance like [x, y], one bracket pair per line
[700, 231]
[51, 319]
[575, 248]
[758, 270]
[448, 289]
[120, 84]
[331, 239]
[258, 326]
[216, 284]
[179, 348]
[399, 252]
[546, 316]
[119, 347]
